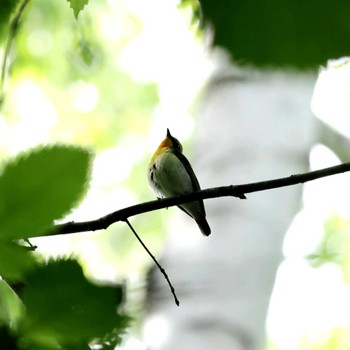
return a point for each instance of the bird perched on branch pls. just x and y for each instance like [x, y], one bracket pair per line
[170, 174]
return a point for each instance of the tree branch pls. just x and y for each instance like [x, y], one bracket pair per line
[238, 191]
[160, 267]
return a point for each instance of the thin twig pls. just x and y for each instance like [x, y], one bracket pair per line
[11, 35]
[238, 191]
[30, 246]
[156, 262]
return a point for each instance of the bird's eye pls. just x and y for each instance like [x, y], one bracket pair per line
[175, 142]
[178, 145]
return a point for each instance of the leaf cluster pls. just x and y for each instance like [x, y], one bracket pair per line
[48, 305]
[9, 7]
[289, 33]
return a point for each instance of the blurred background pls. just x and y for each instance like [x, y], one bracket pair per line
[112, 81]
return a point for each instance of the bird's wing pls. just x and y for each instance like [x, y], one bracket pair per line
[188, 167]
[194, 180]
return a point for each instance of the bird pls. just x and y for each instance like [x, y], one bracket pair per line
[171, 174]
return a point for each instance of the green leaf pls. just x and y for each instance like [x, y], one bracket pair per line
[280, 33]
[7, 339]
[11, 307]
[196, 10]
[7, 8]
[77, 6]
[40, 186]
[15, 261]
[63, 307]
[111, 339]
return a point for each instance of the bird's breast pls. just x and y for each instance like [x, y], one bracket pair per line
[168, 176]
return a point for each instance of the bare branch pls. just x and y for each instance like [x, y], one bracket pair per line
[238, 191]
[172, 289]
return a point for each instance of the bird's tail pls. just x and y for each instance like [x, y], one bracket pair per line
[203, 226]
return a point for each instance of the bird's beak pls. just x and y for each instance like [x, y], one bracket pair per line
[168, 133]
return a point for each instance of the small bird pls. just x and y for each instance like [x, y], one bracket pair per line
[170, 174]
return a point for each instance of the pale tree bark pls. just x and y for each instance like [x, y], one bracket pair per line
[252, 126]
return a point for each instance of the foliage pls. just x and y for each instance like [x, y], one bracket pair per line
[62, 307]
[7, 7]
[52, 305]
[56, 59]
[334, 246]
[77, 6]
[56, 174]
[48, 305]
[285, 33]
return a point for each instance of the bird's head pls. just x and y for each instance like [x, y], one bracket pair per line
[170, 142]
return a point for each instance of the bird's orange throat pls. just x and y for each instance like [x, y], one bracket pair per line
[165, 144]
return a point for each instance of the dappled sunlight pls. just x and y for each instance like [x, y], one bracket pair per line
[85, 96]
[39, 42]
[310, 305]
[307, 303]
[113, 166]
[331, 100]
[37, 116]
[179, 123]
[304, 234]
[328, 195]
[156, 329]
[4, 134]
[134, 344]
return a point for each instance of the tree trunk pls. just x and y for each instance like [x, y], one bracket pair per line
[252, 126]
